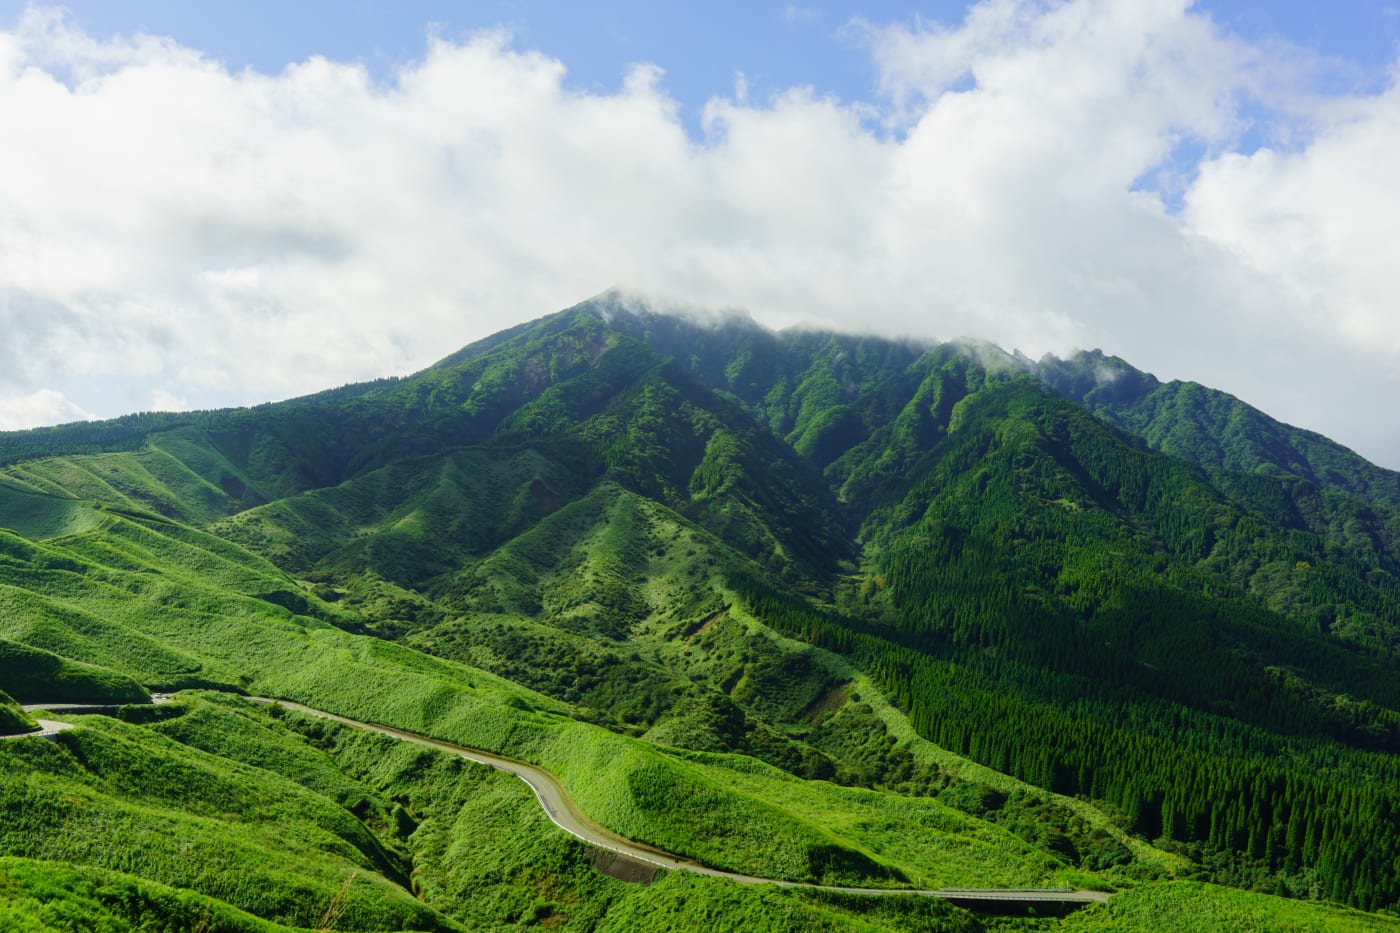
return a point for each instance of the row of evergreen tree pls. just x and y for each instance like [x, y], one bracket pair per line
[1292, 802]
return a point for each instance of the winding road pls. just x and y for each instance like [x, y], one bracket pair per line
[48, 728]
[564, 813]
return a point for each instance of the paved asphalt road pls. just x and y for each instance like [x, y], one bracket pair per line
[47, 728]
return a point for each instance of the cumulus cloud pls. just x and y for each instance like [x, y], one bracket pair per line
[163, 400]
[795, 13]
[1313, 219]
[168, 226]
[38, 409]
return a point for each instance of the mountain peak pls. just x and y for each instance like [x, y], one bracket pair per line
[619, 307]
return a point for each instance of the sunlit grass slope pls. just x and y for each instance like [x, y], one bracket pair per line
[38, 676]
[13, 719]
[410, 521]
[246, 817]
[53, 897]
[37, 515]
[484, 853]
[1191, 907]
[121, 797]
[178, 474]
[171, 606]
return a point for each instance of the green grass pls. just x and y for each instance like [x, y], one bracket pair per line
[1191, 907]
[937, 845]
[482, 848]
[51, 897]
[179, 475]
[13, 719]
[37, 676]
[682, 903]
[230, 727]
[239, 816]
[122, 797]
[482, 844]
[410, 521]
[36, 515]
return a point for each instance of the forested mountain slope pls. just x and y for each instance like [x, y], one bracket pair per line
[683, 557]
[1213, 428]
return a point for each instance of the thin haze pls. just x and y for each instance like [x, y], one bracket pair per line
[1208, 201]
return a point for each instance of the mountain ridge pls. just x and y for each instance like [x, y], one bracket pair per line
[1214, 428]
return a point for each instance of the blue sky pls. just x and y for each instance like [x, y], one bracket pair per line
[702, 46]
[208, 204]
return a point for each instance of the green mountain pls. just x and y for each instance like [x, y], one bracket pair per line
[799, 605]
[1214, 429]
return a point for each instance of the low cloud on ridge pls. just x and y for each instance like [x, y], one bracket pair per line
[1045, 176]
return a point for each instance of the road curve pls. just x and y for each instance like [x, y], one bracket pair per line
[48, 728]
[564, 813]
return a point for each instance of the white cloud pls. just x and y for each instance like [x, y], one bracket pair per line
[169, 226]
[162, 400]
[1317, 220]
[794, 13]
[38, 409]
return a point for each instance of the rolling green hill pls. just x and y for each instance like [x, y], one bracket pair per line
[13, 719]
[36, 515]
[802, 605]
[38, 676]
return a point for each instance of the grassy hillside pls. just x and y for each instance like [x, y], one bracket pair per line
[177, 474]
[13, 719]
[35, 515]
[38, 676]
[1196, 908]
[411, 521]
[51, 897]
[238, 835]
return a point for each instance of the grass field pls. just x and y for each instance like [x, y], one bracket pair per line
[13, 719]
